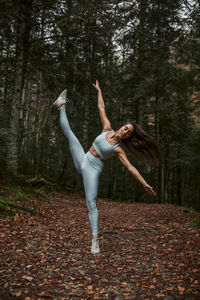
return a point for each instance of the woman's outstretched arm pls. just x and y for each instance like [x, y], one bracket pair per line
[101, 107]
[123, 158]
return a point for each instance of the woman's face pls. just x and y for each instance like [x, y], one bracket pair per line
[125, 131]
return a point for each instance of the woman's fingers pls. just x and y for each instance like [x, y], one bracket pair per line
[96, 85]
[153, 193]
[150, 190]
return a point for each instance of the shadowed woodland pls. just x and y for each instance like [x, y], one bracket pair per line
[146, 56]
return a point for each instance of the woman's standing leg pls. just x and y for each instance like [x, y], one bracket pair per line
[91, 183]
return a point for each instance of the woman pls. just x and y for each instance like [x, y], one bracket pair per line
[107, 144]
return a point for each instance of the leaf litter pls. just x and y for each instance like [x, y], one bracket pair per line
[148, 251]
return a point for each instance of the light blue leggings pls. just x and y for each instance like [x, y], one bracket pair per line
[89, 166]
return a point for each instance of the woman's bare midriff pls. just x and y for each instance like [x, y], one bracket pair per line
[94, 152]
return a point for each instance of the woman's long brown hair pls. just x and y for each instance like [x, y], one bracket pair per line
[143, 146]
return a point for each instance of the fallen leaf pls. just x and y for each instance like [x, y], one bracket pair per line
[89, 287]
[29, 278]
[181, 289]
[44, 294]
[152, 287]
[195, 270]
[56, 270]
[90, 292]
[16, 294]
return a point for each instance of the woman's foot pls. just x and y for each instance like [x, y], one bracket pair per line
[95, 246]
[61, 100]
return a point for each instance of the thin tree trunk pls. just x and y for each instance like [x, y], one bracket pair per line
[21, 60]
[141, 50]
[179, 185]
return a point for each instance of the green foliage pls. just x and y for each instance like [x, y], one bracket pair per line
[16, 193]
[11, 197]
[6, 206]
[196, 222]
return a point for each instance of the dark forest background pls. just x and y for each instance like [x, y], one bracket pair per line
[146, 55]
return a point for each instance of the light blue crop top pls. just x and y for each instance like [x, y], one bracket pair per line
[103, 148]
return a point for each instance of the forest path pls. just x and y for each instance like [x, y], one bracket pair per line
[148, 251]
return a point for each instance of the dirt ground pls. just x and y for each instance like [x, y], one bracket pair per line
[148, 251]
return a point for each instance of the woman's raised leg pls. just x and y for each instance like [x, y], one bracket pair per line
[75, 147]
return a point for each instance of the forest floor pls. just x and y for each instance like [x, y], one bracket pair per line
[148, 251]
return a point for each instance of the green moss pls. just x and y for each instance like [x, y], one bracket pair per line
[10, 196]
[22, 196]
[196, 222]
[6, 206]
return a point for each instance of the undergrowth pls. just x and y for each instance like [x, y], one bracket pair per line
[196, 222]
[12, 198]
[15, 193]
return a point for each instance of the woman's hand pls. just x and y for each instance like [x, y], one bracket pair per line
[149, 190]
[97, 87]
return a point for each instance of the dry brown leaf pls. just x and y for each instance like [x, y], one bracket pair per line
[16, 293]
[89, 287]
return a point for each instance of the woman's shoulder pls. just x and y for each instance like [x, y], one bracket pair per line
[107, 129]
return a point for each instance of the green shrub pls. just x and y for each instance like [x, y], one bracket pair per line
[196, 222]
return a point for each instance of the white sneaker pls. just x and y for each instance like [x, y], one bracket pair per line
[61, 99]
[95, 246]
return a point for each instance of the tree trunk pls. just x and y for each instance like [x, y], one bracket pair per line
[141, 59]
[21, 60]
[179, 185]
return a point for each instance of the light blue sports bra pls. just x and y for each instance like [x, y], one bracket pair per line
[102, 147]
